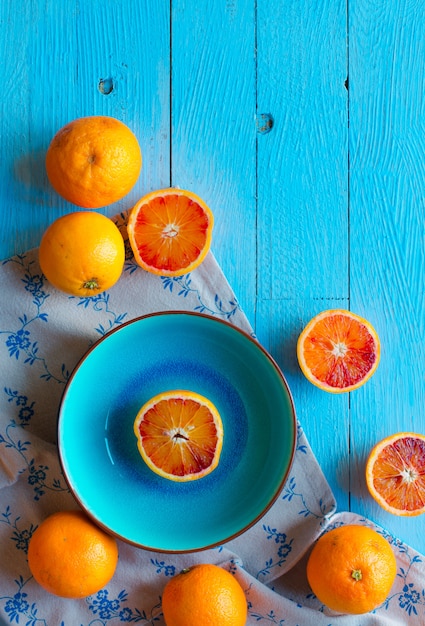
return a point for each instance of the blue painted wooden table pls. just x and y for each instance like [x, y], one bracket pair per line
[302, 126]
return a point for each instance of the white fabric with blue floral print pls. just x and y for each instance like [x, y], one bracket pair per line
[43, 334]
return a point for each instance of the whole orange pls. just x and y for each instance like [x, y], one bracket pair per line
[71, 557]
[82, 253]
[351, 569]
[206, 595]
[93, 161]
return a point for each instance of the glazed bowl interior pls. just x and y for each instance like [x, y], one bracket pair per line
[98, 449]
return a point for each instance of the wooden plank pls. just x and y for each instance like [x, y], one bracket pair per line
[303, 203]
[387, 218]
[129, 43]
[214, 133]
[86, 59]
[26, 115]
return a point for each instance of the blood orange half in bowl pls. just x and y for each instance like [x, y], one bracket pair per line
[99, 452]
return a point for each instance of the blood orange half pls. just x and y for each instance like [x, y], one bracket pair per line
[395, 474]
[179, 435]
[338, 351]
[170, 231]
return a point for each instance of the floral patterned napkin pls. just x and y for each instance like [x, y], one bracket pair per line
[43, 334]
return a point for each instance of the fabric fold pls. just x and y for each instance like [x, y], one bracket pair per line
[43, 336]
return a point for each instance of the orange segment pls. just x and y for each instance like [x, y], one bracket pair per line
[179, 435]
[170, 231]
[395, 474]
[338, 351]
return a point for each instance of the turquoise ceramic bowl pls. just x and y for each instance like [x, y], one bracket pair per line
[98, 449]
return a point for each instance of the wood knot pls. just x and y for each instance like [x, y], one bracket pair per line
[265, 123]
[106, 86]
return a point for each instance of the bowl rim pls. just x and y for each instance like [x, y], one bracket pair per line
[293, 419]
